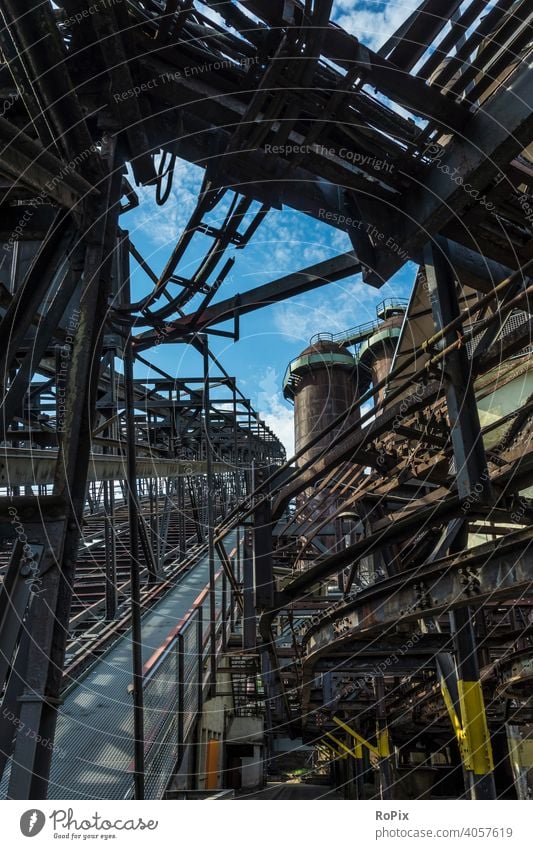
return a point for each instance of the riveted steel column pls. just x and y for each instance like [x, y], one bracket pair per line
[476, 737]
[211, 518]
[263, 568]
[470, 463]
[111, 593]
[135, 581]
[48, 617]
[249, 621]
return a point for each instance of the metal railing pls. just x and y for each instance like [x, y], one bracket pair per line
[357, 334]
[352, 335]
[176, 680]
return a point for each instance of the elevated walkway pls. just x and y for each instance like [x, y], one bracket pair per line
[93, 754]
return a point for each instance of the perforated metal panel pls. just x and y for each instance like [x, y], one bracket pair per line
[515, 320]
[190, 674]
[161, 722]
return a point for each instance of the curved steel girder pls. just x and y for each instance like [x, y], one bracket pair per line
[359, 661]
[488, 573]
[515, 674]
[439, 505]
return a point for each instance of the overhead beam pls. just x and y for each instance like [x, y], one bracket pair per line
[32, 167]
[492, 138]
[409, 43]
[19, 465]
[288, 286]
[496, 571]
[347, 51]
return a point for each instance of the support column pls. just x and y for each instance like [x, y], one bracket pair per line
[470, 464]
[49, 615]
[182, 527]
[210, 498]
[249, 620]
[519, 770]
[237, 481]
[475, 732]
[111, 596]
[359, 771]
[472, 479]
[383, 743]
[135, 590]
[110, 551]
[263, 569]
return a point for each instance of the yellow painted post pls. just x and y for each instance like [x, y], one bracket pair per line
[475, 731]
[211, 765]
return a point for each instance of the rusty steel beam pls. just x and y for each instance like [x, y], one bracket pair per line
[18, 465]
[490, 572]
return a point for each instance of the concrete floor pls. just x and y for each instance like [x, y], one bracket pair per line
[291, 791]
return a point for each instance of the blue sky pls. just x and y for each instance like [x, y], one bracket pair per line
[285, 242]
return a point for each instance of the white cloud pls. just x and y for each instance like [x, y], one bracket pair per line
[289, 239]
[278, 415]
[331, 310]
[163, 225]
[372, 22]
